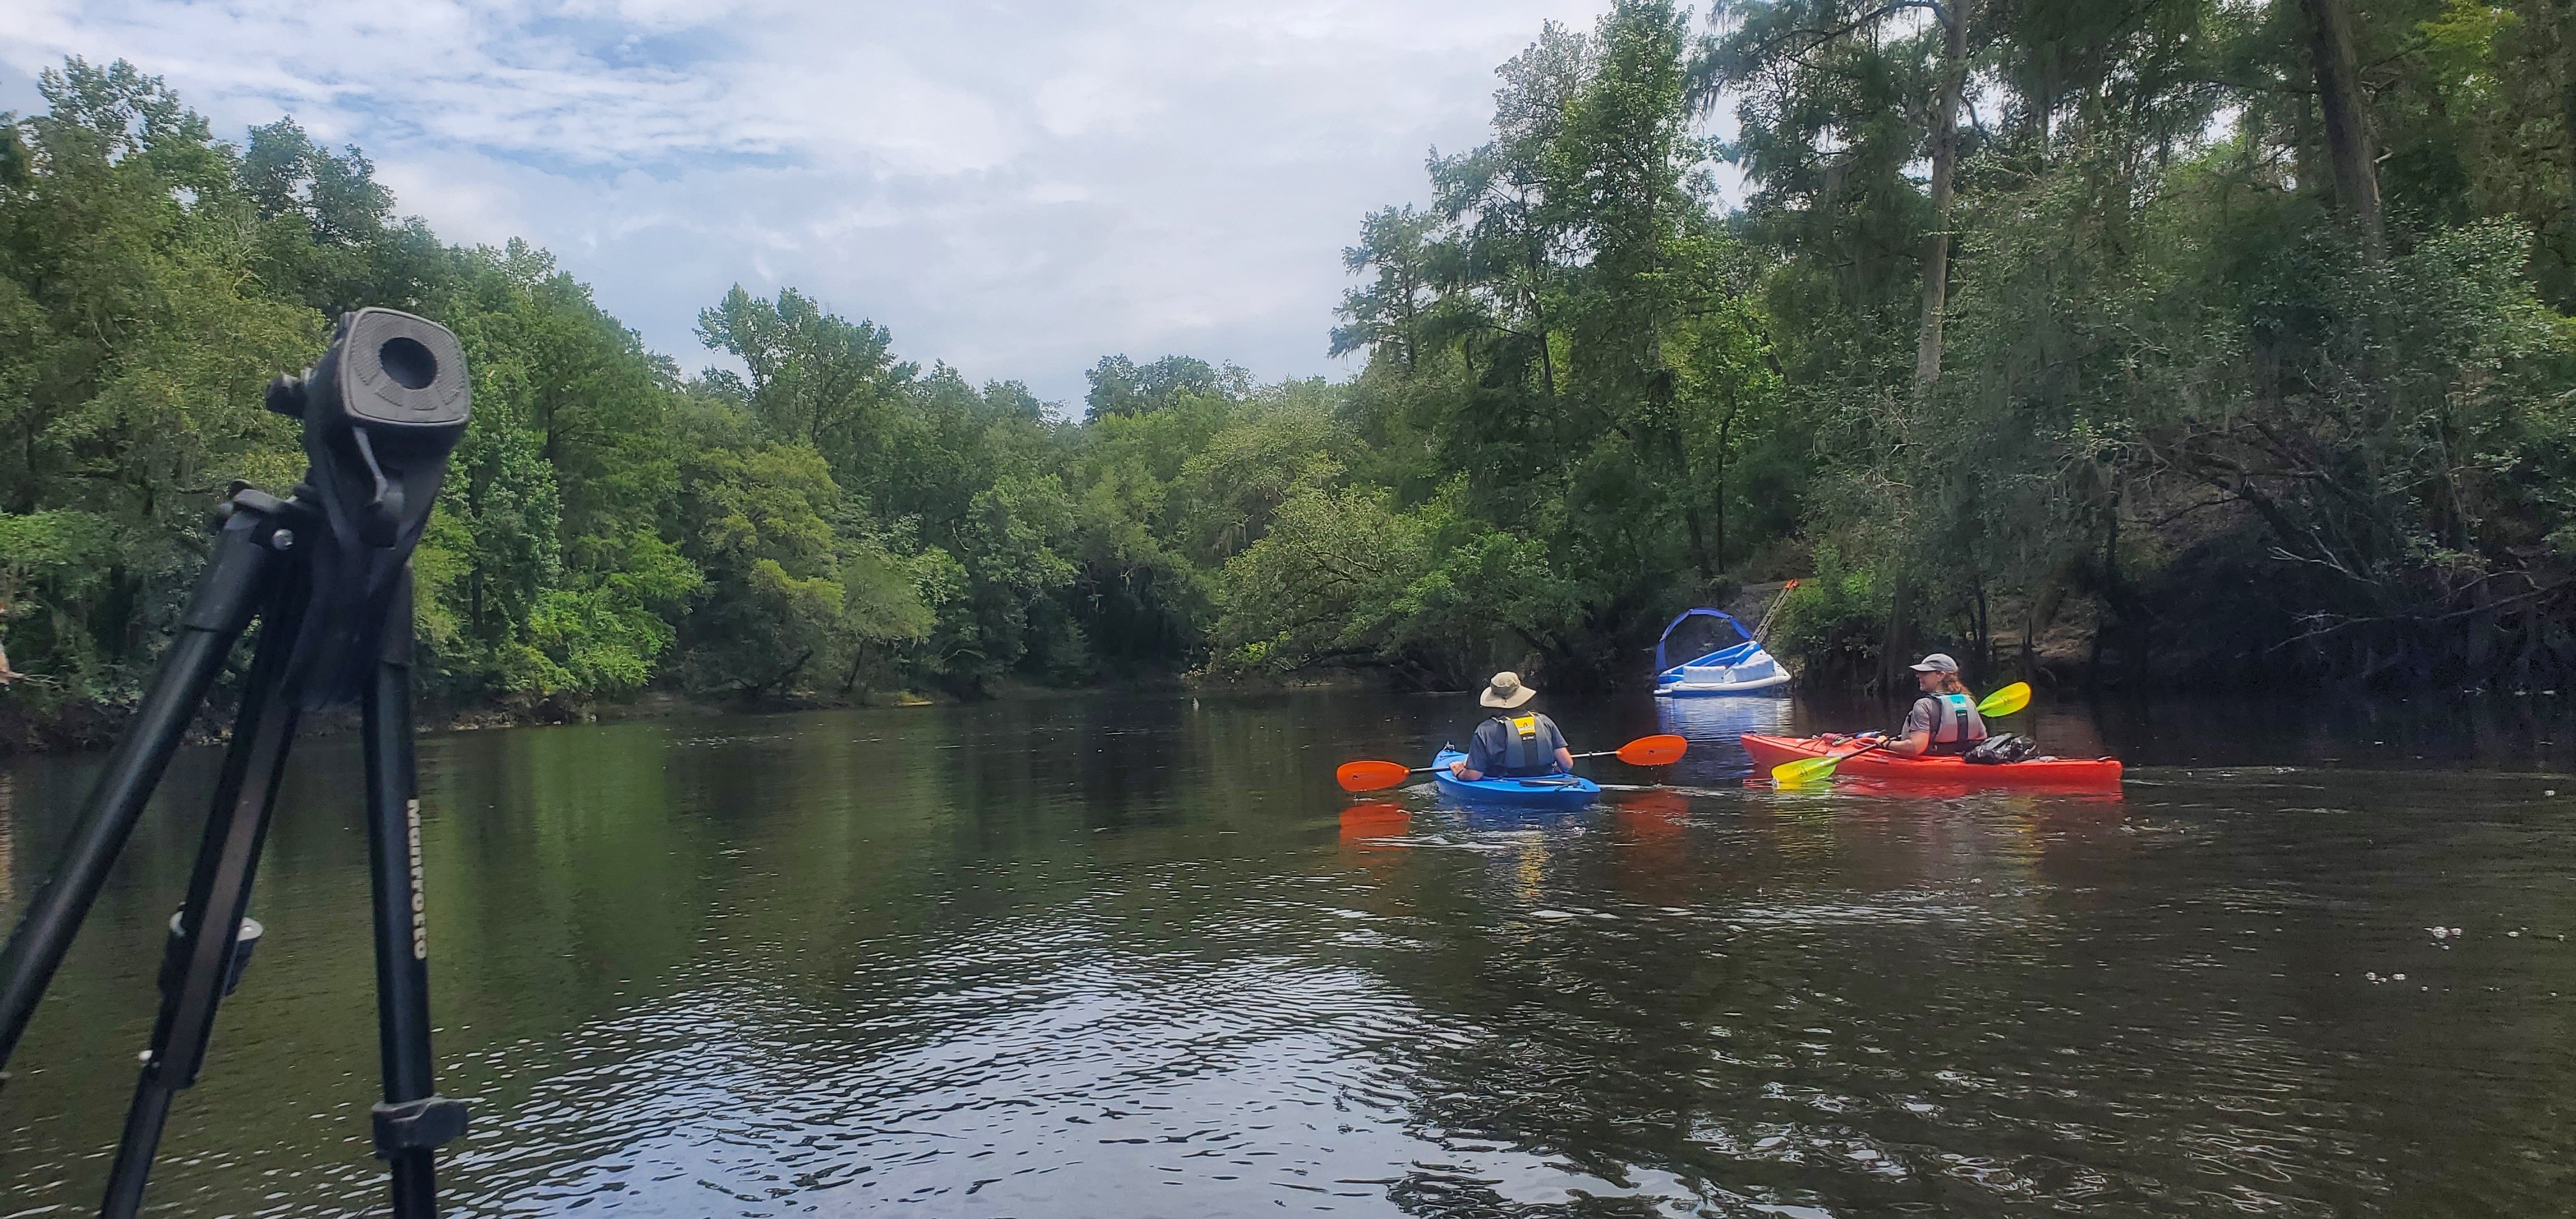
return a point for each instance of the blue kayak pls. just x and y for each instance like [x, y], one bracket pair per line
[1556, 792]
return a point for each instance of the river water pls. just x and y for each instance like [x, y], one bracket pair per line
[1130, 956]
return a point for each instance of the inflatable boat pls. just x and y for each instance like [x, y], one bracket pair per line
[1738, 668]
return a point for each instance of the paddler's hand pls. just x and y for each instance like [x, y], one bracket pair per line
[1459, 768]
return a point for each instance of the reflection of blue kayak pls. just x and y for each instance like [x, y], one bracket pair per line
[1563, 792]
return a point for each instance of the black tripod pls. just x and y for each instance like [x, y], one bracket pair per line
[326, 572]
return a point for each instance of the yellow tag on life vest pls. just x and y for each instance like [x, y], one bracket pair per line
[1526, 725]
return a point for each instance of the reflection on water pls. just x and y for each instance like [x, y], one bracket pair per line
[1712, 725]
[8, 839]
[1139, 957]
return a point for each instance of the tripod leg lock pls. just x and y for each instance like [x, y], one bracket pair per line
[174, 965]
[417, 1125]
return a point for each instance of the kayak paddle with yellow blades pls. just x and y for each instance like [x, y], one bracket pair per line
[2002, 702]
[1373, 776]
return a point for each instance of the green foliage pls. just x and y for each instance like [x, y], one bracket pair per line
[2264, 430]
[52, 564]
[1389, 314]
[325, 232]
[134, 345]
[604, 634]
[1572, 414]
[1571, 380]
[1432, 593]
[758, 522]
[2176, 374]
[816, 378]
[2234, 389]
[1119, 387]
[1833, 620]
[1322, 584]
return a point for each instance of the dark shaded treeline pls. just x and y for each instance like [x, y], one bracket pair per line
[2240, 353]
[2170, 340]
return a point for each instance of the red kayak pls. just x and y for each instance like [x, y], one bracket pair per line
[2063, 774]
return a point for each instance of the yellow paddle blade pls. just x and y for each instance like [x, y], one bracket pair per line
[1653, 751]
[2006, 701]
[1804, 771]
[1370, 776]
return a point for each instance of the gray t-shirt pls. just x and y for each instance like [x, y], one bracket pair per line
[1926, 718]
[1493, 742]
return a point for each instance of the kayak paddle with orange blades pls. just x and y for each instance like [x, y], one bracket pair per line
[1369, 776]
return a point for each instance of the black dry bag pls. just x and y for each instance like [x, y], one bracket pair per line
[2000, 748]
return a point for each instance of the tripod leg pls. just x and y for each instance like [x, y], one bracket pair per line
[201, 960]
[414, 1119]
[235, 581]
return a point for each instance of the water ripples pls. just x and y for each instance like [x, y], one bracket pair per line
[795, 967]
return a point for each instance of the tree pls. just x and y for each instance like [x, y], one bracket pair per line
[758, 523]
[1952, 18]
[816, 378]
[2337, 70]
[1120, 387]
[326, 229]
[133, 350]
[1389, 313]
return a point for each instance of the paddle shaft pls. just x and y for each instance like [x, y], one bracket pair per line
[1606, 753]
[1598, 753]
[1367, 775]
[1806, 769]
[1881, 743]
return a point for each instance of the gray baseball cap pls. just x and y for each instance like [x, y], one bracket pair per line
[1938, 662]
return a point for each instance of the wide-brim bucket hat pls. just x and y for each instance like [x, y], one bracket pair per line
[1506, 691]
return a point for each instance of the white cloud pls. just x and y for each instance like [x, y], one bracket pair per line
[1016, 189]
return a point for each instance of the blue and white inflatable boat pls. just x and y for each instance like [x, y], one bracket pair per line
[1738, 668]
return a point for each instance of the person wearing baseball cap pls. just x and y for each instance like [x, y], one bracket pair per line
[1520, 741]
[1945, 719]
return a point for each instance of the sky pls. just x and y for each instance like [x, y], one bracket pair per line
[1015, 189]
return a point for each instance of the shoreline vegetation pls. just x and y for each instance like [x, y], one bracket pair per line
[2191, 343]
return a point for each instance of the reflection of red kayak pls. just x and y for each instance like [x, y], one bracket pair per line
[2082, 774]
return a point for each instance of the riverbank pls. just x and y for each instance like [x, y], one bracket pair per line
[75, 726]
[71, 727]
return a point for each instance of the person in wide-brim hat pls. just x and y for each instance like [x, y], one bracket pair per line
[1520, 742]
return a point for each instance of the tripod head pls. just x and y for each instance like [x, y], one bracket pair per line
[381, 409]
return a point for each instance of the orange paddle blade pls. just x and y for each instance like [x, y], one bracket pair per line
[1653, 751]
[1370, 776]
